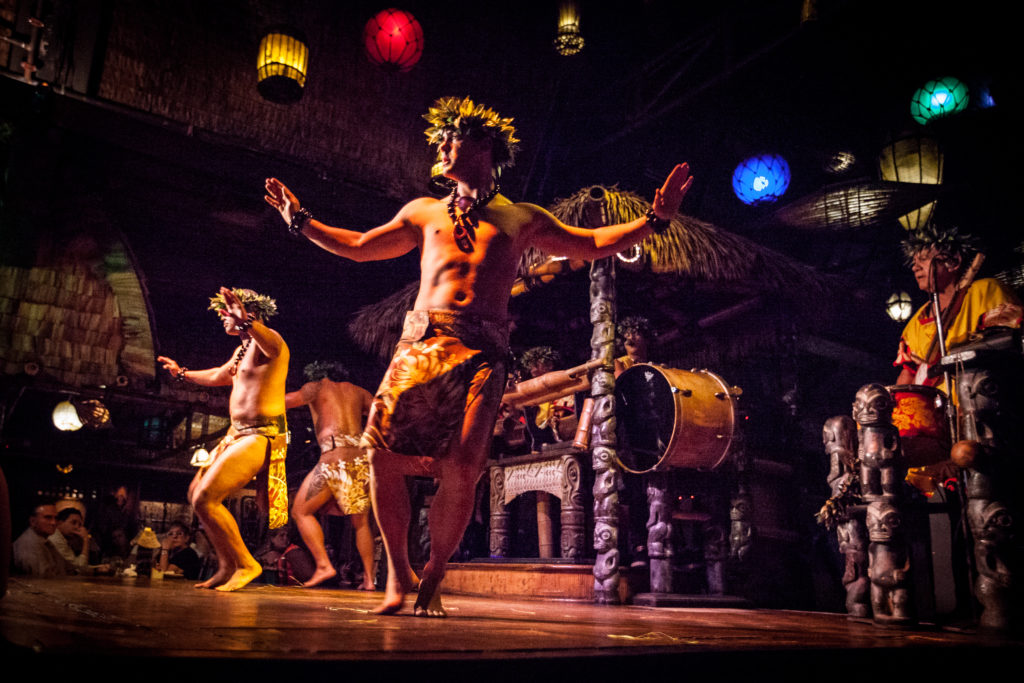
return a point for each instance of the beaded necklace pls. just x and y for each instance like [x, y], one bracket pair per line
[465, 224]
[240, 355]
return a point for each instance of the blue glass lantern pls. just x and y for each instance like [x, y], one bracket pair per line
[935, 99]
[761, 179]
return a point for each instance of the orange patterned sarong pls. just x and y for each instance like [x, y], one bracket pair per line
[444, 363]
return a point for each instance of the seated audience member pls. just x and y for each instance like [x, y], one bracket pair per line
[72, 541]
[33, 552]
[176, 555]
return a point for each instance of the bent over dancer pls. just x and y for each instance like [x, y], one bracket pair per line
[256, 442]
[439, 398]
[339, 482]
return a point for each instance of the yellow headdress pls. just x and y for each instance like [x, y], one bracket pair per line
[463, 116]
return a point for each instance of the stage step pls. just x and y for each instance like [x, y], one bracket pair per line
[522, 579]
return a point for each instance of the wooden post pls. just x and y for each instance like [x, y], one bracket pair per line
[607, 473]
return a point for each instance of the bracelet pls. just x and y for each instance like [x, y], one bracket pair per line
[181, 374]
[299, 219]
[246, 325]
[657, 223]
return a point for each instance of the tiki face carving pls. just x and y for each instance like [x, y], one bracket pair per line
[883, 523]
[872, 405]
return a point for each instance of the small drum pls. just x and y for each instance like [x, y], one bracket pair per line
[920, 417]
[668, 418]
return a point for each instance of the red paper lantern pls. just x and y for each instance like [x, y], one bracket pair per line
[394, 39]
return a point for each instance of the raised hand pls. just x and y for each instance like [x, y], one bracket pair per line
[670, 196]
[281, 198]
[169, 365]
[234, 309]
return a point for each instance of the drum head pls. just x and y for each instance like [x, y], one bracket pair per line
[644, 417]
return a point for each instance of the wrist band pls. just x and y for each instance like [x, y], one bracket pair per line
[181, 374]
[299, 219]
[245, 325]
[657, 223]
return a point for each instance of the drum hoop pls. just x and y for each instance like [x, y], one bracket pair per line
[732, 423]
[658, 467]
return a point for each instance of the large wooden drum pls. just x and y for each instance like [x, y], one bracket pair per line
[920, 417]
[670, 418]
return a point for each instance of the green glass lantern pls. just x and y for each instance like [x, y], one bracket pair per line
[935, 99]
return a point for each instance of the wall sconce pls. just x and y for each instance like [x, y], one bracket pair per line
[281, 65]
[65, 417]
[568, 40]
[899, 306]
[200, 457]
[71, 416]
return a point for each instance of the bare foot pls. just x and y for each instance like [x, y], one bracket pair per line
[241, 578]
[366, 586]
[428, 602]
[394, 593]
[321, 575]
[217, 579]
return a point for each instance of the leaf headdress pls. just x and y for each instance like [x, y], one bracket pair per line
[462, 115]
[260, 304]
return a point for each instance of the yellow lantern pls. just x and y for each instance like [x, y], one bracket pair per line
[281, 65]
[917, 160]
[568, 40]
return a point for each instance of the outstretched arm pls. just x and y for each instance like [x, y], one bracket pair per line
[559, 239]
[211, 377]
[395, 238]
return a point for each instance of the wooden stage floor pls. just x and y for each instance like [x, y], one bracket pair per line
[164, 629]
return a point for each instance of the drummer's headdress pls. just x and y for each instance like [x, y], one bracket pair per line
[633, 325]
[540, 354]
[948, 241]
[463, 116]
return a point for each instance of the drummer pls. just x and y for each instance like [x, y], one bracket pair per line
[939, 257]
[543, 422]
[636, 336]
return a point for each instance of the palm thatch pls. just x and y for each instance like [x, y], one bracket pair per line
[691, 248]
[377, 327]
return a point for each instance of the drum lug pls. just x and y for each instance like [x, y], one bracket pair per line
[684, 392]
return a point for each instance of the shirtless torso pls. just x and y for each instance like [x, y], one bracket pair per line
[256, 373]
[338, 482]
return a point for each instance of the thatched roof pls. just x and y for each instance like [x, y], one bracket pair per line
[377, 327]
[691, 248]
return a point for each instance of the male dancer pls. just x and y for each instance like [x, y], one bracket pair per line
[340, 480]
[440, 395]
[257, 436]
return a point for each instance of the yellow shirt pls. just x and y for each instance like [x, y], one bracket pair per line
[982, 296]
